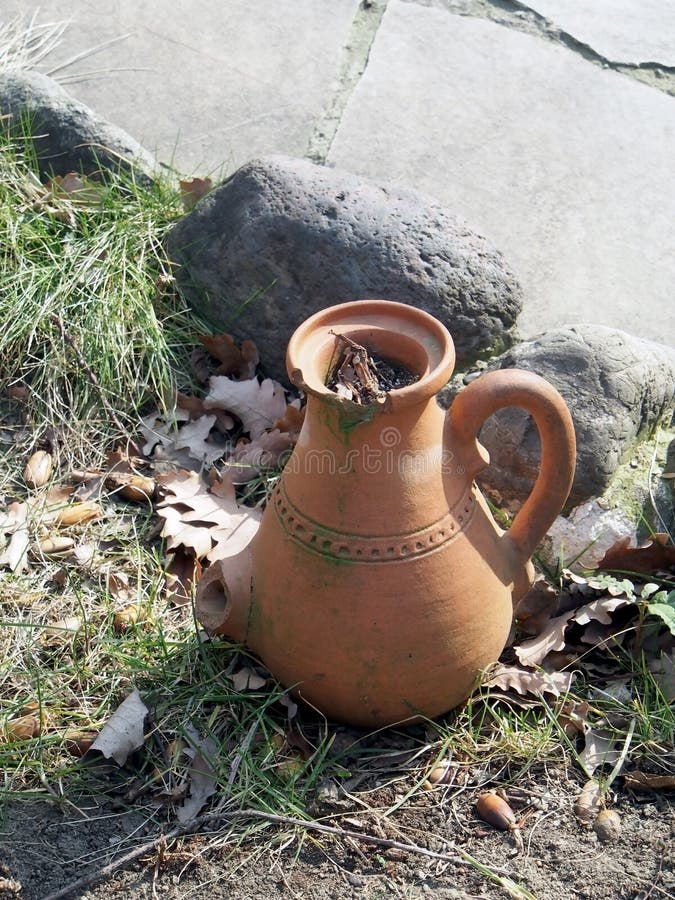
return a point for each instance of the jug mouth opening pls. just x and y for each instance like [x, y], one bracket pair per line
[400, 335]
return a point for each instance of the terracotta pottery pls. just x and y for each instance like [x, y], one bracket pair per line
[381, 585]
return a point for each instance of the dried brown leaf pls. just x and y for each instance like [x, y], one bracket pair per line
[645, 781]
[120, 588]
[250, 458]
[192, 190]
[123, 732]
[600, 750]
[203, 779]
[182, 572]
[526, 681]
[552, 637]
[77, 189]
[257, 404]
[656, 555]
[600, 610]
[537, 607]
[200, 363]
[246, 679]
[663, 672]
[292, 420]
[213, 526]
[297, 741]
[573, 717]
[241, 362]
[14, 523]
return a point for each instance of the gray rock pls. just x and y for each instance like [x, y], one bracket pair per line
[67, 136]
[283, 238]
[617, 388]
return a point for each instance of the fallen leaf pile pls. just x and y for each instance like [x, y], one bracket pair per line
[584, 623]
[247, 424]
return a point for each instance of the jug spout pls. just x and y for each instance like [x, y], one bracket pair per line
[223, 598]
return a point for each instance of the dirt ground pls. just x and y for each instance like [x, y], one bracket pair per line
[44, 848]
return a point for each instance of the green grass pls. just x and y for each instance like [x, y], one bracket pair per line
[91, 317]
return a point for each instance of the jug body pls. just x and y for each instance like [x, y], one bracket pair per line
[381, 585]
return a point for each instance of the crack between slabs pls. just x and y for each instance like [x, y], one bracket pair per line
[352, 63]
[521, 17]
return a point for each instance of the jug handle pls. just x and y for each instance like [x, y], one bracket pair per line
[517, 387]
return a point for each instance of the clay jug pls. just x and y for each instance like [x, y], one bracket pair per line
[381, 586]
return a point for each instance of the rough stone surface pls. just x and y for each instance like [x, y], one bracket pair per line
[309, 237]
[617, 388]
[67, 135]
[629, 31]
[564, 165]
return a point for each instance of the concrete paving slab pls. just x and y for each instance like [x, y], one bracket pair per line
[202, 84]
[626, 31]
[566, 166]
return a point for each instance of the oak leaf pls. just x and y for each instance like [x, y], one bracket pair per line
[211, 524]
[653, 556]
[257, 404]
[526, 681]
[192, 190]
[14, 524]
[202, 774]
[599, 610]
[248, 459]
[246, 679]
[645, 781]
[537, 607]
[238, 361]
[600, 750]
[123, 732]
[177, 432]
[533, 652]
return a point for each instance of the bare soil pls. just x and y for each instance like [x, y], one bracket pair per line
[45, 847]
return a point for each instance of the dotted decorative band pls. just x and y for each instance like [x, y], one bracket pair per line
[357, 548]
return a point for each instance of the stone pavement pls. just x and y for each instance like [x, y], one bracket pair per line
[549, 126]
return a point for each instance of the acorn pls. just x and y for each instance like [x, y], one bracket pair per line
[61, 632]
[79, 742]
[495, 811]
[78, 513]
[22, 728]
[38, 469]
[138, 489]
[126, 617]
[589, 802]
[607, 826]
[439, 774]
[54, 545]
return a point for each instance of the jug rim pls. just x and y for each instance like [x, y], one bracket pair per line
[395, 330]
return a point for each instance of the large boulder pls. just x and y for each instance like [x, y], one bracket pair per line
[617, 387]
[66, 135]
[284, 238]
